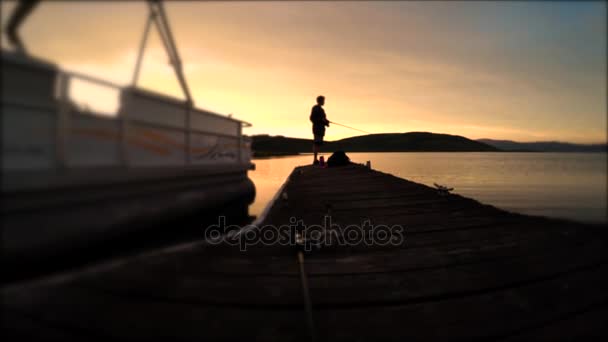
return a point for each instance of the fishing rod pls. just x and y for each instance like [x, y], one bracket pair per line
[356, 129]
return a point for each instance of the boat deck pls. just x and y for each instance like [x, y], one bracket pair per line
[463, 271]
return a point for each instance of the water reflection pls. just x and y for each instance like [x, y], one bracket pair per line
[567, 185]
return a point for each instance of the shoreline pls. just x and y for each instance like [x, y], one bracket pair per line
[268, 155]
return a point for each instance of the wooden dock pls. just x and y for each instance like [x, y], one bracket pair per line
[464, 271]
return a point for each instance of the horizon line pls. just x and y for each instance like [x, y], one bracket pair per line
[505, 140]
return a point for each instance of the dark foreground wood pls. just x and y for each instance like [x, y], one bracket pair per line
[463, 271]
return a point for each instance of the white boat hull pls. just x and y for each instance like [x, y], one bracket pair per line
[72, 178]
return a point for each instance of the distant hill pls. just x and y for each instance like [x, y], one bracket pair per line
[263, 145]
[543, 146]
[388, 142]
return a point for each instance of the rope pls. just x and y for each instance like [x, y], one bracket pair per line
[305, 291]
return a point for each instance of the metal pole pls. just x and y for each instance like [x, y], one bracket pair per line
[188, 135]
[240, 143]
[163, 36]
[123, 144]
[62, 128]
[20, 13]
[177, 64]
[143, 46]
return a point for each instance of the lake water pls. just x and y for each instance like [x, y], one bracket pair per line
[565, 185]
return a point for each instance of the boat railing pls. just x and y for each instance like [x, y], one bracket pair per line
[145, 117]
[149, 129]
[45, 128]
[144, 129]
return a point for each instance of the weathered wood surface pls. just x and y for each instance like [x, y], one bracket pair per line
[465, 271]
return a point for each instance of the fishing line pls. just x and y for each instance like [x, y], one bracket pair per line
[356, 129]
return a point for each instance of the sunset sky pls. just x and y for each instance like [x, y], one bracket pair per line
[521, 70]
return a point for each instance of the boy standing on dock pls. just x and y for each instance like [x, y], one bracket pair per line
[319, 121]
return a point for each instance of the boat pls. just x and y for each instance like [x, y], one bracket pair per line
[74, 179]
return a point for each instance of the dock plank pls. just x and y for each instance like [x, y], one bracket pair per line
[464, 271]
[486, 316]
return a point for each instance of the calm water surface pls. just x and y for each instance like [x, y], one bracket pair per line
[565, 185]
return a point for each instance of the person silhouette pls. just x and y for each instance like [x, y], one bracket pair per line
[319, 122]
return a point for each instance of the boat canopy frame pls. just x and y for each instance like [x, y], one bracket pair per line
[157, 16]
